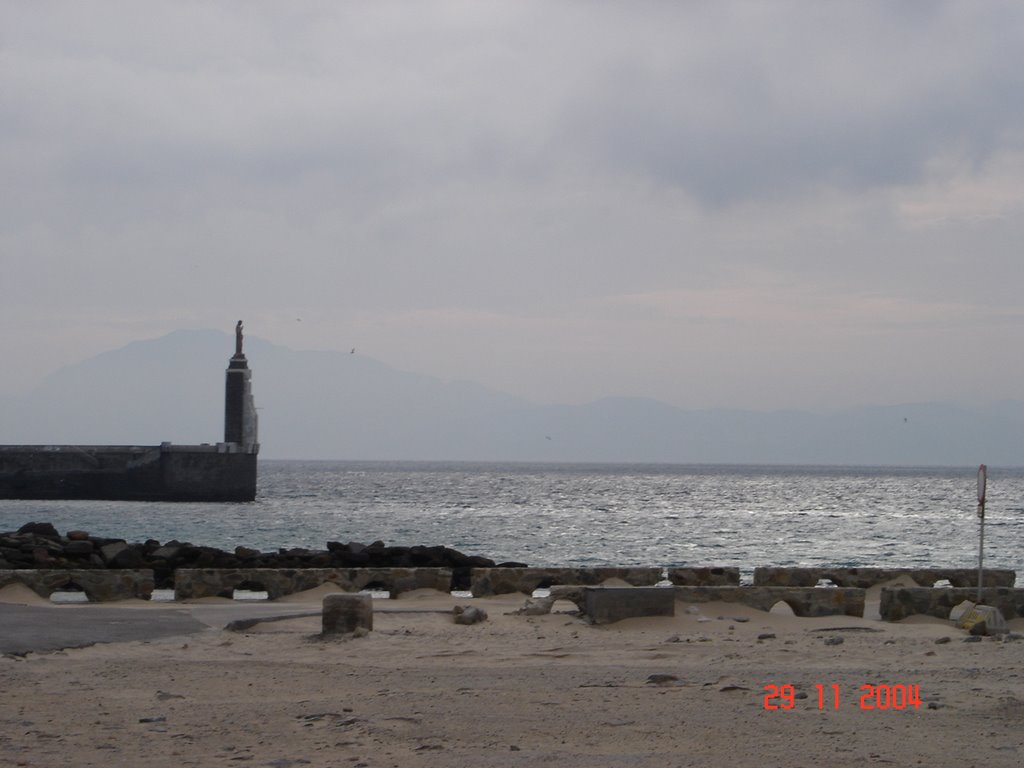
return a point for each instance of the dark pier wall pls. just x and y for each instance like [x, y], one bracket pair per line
[191, 475]
[129, 473]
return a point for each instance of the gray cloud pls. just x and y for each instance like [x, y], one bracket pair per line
[452, 181]
[855, 97]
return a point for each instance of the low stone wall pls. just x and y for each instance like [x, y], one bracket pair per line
[900, 602]
[805, 601]
[500, 581]
[192, 583]
[714, 576]
[98, 585]
[865, 578]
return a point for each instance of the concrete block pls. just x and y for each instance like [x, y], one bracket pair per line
[605, 605]
[343, 613]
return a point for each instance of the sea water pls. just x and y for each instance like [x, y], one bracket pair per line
[593, 514]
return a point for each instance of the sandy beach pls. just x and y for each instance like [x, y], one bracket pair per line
[519, 690]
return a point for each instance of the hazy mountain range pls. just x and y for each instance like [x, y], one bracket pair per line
[331, 405]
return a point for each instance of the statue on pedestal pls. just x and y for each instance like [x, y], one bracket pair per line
[238, 339]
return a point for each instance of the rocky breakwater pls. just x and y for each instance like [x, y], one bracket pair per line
[41, 546]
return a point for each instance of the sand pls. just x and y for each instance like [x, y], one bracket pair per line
[420, 691]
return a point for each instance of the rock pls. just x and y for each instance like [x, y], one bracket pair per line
[78, 536]
[942, 640]
[536, 606]
[128, 557]
[206, 557]
[344, 559]
[992, 618]
[766, 636]
[109, 551]
[662, 679]
[353, 547]
[78, 548]
[833, 641]
[468, 614]
[166, 552]
[46, 530]
[428, 557]
[19, 559]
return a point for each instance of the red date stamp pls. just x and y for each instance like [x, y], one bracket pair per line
[868, 696]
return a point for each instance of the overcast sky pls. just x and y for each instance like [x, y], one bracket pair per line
[746, 204]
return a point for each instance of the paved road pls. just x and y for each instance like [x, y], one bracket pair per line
[25, 628]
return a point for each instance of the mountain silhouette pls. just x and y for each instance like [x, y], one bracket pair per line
[339, 405]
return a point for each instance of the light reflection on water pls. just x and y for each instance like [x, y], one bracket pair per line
[591, 514]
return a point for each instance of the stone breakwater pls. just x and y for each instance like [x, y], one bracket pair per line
[111, 569]
[41, 546]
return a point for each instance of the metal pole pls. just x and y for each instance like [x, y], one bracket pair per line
[982, 487]
[981, 547]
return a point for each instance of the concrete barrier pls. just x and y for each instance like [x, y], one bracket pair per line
[864, 578]
[805, 601]
[606, 605]
[192, 583]
[99, 585]
[713, 576]
[900, 602]
[346, 613]
[502, 581]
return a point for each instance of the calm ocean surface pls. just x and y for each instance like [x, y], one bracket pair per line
[588, 514]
